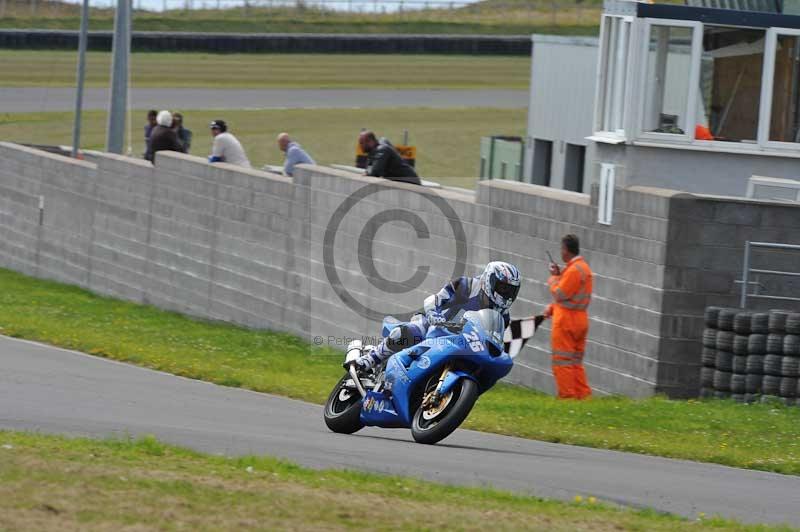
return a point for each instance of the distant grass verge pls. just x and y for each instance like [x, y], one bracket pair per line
[542, 24]
[56, 68]
[448, 140]
[518, 17]
[757, 436]
[56, 483]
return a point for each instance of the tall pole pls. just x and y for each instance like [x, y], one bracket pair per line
[84, 36]
[119, 77]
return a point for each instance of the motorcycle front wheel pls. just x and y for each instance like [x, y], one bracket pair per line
[431, 425]
[343, 409]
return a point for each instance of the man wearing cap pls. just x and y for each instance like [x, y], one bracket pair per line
[226, 147]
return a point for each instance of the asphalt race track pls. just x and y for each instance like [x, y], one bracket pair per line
[45, 99]
[57, 391]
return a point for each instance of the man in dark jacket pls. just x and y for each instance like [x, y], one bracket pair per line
[163, 137]
[384, 161]
[184, 135]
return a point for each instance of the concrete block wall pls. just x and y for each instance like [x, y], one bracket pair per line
[705, 256]
[246, 247]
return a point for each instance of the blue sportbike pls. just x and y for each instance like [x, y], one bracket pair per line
[430, 387]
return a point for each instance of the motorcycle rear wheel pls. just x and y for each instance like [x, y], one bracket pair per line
[429, 430]
[343, 409]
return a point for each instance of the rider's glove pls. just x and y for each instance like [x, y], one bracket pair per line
[434, 318]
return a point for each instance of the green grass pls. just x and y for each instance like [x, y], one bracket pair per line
[23, 68]
[757, 436]
[448, 140]
[55, 483]
[519, 18]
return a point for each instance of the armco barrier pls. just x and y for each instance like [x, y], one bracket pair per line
[276, 42]
[247, 247]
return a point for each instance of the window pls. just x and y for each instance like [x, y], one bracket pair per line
[573, 167]
[730, 84]
[613, 75]
[542, 161]
[668, 76]
[783, 105]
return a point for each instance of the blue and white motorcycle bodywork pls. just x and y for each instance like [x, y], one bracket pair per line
[430, 387]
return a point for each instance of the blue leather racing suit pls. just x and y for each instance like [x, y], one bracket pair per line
[449, 304]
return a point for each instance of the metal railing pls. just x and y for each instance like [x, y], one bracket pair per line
[747, 271]
[45, 8]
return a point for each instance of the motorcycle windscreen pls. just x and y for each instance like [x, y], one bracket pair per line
[490, 323]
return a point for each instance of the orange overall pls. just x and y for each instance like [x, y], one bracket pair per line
[572, 292]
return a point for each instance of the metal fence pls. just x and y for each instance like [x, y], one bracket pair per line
[48, 8]
[752, 277]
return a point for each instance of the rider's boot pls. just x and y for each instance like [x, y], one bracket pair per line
[372, 356]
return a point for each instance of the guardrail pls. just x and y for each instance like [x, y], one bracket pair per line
[747, 271]
[414, 8]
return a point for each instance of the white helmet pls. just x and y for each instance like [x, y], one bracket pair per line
[500, 282]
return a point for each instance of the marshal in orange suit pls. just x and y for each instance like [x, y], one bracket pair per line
[571, 289]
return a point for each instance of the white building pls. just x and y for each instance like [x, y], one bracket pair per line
[691, 98]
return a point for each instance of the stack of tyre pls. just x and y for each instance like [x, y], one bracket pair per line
[750, 356]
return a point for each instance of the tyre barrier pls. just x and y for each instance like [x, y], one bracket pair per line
[738, 383]
[791, 345]
[771, 385]
[790, 367]
[742, 323]
[725, 319]
[757, 344]
[759, 323]
[793, 323]
[724, 361]
[709, 358]
[774, 343]
[725, 341]
[157, 41]
[740, 364]
[750, 356]
[788, 387]
[777, 321]
[755, 365]
[722, 380]
[752, 383]
[707, 377]
[711, 317]
[740, 344]
[710, 338]
[773, 365]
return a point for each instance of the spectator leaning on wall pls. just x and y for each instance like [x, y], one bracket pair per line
[384, 161]
[184, 135]
[148, 128]
[295, 154]
[163, 137]
[226, 147]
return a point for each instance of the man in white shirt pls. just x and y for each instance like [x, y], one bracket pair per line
[226, 148]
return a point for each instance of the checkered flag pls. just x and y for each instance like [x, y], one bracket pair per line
[519, 332]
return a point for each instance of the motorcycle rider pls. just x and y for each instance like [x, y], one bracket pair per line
[496, 288]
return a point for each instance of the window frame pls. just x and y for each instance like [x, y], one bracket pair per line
[607, 102]
[767, 85]
[695, 56]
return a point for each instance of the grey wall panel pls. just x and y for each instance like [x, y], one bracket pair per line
[242, 246]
